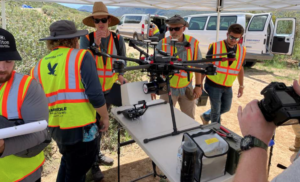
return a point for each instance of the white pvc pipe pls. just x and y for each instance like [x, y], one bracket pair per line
[218, 24]
[3, 14]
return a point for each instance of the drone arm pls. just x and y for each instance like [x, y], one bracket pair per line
[209, 60]
[136, 67]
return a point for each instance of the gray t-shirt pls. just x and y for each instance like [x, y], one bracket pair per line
[34, 108]
[291, 174]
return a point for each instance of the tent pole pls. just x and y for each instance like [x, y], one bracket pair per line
[3, 14]
[218, 24]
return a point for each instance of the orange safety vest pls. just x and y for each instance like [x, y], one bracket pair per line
[105, 72]
[180, 80]
[13, 93]
[59, 75]
[226, 75]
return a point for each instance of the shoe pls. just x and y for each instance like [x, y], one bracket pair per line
[296, 146]
[203, 120]
[104, 160]
[96, 173]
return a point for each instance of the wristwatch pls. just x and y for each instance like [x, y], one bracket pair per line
[198, 85]
[242, 86]
[249, 142]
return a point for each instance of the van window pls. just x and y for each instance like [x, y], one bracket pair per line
[225, 22]
[284, 27]
[133, 19]
[258, 23]
[197, 23]
[186, 19]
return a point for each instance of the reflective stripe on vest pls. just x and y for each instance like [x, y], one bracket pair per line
[180, 80]
[68, 104]
[226, 75]
[12, 94]
[105, 72]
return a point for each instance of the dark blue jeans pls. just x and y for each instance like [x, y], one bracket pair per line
[220, 101]
[77, 159]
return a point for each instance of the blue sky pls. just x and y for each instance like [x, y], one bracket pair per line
[75, 6]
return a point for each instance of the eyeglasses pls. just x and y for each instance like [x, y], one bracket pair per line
[174, 28]
[103, 20]
[233, 38]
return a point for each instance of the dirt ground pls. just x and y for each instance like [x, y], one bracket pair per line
[135, 163]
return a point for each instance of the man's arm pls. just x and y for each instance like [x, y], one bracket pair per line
[123, 53]
[84, 42]
[34, 108]
[93, 88]
[241, 82]
[199, 79]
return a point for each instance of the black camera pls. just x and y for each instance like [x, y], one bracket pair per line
[280, 103]
[158, 86]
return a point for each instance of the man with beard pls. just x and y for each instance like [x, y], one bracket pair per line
[22, 100]
[181, 88]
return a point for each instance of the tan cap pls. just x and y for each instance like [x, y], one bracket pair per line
[177, 19]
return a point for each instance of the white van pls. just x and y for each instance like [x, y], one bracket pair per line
[136, 25]
[261, 37]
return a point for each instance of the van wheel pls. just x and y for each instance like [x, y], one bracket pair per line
[135, 37]
[250, 63]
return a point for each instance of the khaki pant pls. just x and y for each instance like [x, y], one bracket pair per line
[186, 106]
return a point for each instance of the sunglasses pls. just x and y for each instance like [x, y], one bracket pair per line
[103, 20]
[234, 38]
[174, 28]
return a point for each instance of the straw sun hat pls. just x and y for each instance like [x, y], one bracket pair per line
[99, 9]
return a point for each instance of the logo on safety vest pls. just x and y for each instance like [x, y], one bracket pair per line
[52, 69]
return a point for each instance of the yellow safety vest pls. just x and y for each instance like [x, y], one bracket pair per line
[180, 80]
[59, 75]
[13, 92]
[105, 72]
[154, 30]
[226, 75]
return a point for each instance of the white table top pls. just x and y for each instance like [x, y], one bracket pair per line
[155, 122]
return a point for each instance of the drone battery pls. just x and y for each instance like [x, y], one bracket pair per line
[202, 101]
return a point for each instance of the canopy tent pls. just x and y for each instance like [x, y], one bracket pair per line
[198, 5]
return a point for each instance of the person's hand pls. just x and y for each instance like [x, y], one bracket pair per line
[153, 96]
[252, 122]
[104, 124]
[197, 92]
[240, 92]
[122, 80]
[2, 144]
[296, 86]
[99, 34]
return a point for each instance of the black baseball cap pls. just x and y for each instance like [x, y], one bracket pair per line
[8, 49]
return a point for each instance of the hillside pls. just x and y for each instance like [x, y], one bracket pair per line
[29, 25]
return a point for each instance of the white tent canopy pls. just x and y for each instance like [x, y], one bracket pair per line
[198, 5]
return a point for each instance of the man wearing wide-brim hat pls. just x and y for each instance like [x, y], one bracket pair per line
[69, 78]
[182, 89]
[110, 43]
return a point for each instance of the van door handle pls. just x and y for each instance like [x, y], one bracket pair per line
[287, 39]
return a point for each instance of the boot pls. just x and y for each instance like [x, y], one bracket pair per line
[296, 146]
[96, 172]
[104, 160]
[203, 120]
